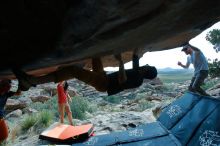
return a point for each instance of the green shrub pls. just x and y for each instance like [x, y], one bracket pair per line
[214, 68]
[210, 84]
[28, 122]
[50, 105]
[79, 106]
[45, 117]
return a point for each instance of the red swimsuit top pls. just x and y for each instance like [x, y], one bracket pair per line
[62, 98]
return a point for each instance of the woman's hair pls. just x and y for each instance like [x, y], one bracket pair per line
[66, 85]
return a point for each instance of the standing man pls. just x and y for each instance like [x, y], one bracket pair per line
[197, 58]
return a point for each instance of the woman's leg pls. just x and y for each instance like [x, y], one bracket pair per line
[69, 113]
[61, 107]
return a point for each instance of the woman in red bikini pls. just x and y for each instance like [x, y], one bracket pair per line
[63, 104]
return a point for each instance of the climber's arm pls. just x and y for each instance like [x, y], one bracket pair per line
[121, 75]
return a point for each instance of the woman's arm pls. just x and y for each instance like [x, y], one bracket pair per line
[68, 97]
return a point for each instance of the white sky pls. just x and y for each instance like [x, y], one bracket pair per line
[169, 58]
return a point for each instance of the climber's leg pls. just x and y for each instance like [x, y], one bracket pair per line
[97, 65]
[24, 80]
[96, 79]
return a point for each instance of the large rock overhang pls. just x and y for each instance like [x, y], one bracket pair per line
[40, 36]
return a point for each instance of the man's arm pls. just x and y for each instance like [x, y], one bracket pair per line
[184, 66]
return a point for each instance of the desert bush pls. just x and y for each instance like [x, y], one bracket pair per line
[28, 122]
[79, 106]
[44, 118]
[214, 68]
[210, 84]
[50, 105]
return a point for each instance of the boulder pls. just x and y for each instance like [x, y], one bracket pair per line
[42, 36]
[13, 104]
[14, 114]
[40, 98]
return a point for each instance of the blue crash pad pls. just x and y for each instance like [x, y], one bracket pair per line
[148, 134]
[190, 123]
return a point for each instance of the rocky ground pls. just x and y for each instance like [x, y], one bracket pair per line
[135, 107]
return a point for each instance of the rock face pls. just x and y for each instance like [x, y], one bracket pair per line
[40, 98]
[42, 35]
[13, 104]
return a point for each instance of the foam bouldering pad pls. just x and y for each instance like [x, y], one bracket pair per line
[62, 133]
[151, 134]
[208, 133]
[193, 119]
[178, 109]
[166, 140]
[185, 128]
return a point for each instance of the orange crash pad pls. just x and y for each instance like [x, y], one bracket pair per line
[66, 133]
[3, 130]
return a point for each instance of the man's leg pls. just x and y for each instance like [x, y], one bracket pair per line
[199, 80]
[191, 84]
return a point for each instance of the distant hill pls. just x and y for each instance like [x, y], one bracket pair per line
[173, 71]
[168, 75]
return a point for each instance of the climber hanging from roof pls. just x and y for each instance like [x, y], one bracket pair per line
[112, 83]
